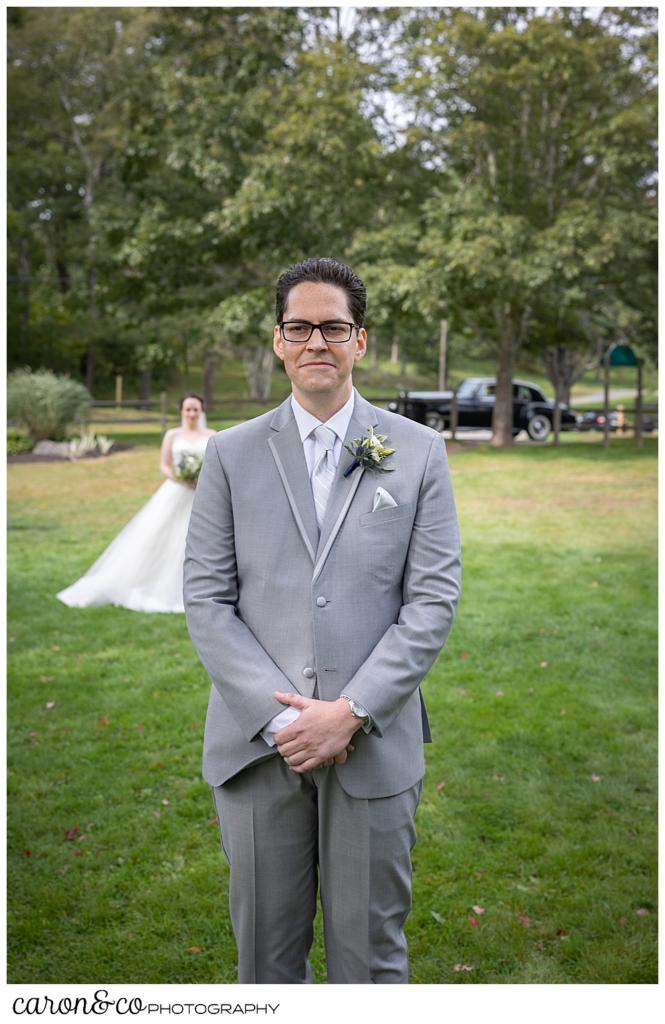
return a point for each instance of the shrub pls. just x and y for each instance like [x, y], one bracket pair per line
[45, 404]
[18, 442]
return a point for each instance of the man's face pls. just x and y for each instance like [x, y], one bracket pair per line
[315, 367]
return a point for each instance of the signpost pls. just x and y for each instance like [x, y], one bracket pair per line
[622, 355]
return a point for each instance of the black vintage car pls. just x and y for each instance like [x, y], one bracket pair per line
[475, 403]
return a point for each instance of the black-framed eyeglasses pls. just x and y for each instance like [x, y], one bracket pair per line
[333, 332]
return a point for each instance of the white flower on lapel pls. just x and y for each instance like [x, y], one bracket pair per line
[369, 452]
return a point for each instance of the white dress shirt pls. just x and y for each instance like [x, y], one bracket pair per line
[306, 425]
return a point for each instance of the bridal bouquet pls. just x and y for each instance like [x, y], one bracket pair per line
[188, 467]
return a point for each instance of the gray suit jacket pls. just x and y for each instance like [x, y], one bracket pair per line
[363, 609]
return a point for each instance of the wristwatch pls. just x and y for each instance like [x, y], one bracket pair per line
[358, 711]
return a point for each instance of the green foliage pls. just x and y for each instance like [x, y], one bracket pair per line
[495, 167]
[73, 80]
[45, 404]
[18, 442]
[545, 126]
[249, 314]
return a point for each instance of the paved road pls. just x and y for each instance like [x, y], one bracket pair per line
[599, 396]
[473, 434]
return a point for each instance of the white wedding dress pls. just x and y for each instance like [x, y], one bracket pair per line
[141, 569]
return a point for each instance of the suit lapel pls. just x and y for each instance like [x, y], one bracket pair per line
[343, 488]
[287, 451]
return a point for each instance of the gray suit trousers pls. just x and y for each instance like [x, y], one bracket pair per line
[283, 831]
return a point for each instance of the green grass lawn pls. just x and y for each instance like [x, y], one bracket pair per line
[536, 857]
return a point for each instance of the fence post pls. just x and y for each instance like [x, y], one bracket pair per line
[162, 406]
[453, 417]
[639, 439]
[118, 390]
[606, 406]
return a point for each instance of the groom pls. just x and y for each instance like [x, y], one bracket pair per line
[320, 585]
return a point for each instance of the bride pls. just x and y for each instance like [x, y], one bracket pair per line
[142, 567]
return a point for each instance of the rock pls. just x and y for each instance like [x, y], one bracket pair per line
[60, 448]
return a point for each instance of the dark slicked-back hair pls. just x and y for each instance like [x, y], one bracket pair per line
[323, 271]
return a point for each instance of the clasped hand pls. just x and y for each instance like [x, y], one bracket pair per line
[320, 736]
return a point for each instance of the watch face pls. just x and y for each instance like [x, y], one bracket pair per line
[357, 710]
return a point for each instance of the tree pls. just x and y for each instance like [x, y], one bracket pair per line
[245, 320]
[216, 74]
[544, 125]
[311, 182]
[78, 71]
[493, 167]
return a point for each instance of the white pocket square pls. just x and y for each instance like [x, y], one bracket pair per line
[382, 499]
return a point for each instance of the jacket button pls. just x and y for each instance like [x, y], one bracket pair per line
[308, 672]
[321, 602]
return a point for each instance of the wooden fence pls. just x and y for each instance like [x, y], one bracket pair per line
[246, 408]
[224, 408]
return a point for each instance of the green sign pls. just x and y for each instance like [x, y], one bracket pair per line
[620, 355]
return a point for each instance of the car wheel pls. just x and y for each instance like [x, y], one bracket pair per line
[538, 427]
[435, 421]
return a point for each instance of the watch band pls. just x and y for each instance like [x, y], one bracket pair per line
[359, 712]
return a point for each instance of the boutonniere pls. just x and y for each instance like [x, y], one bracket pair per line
[368, 452]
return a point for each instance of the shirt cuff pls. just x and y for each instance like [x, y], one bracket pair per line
[280, 721]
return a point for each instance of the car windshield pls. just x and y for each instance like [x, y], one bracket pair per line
[467, 388]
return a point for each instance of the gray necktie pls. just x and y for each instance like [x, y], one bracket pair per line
[324, 469]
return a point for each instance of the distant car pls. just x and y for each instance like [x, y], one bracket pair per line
[475, 404]
[596, 421]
